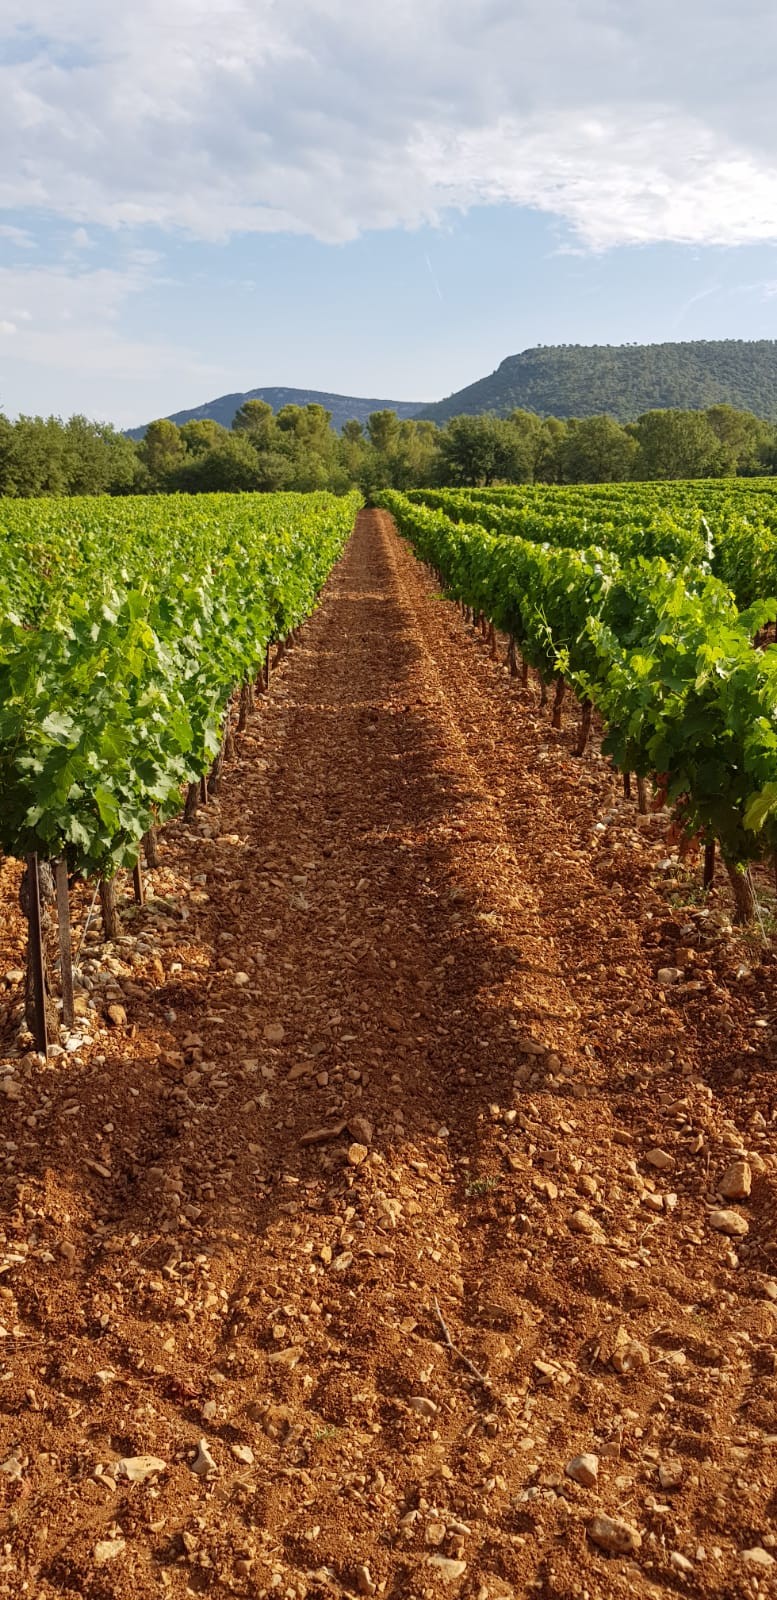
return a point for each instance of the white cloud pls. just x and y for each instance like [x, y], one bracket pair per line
[70, 345]
[635, 124]
[19, 237]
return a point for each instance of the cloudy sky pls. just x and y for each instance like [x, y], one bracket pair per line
[199, 196]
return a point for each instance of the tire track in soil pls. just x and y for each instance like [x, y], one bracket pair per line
[400, 870]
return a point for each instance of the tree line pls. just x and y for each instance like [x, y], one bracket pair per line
[297, 449]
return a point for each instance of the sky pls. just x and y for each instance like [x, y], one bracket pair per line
[207, 196]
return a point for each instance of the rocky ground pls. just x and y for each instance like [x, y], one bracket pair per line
[407, 1226]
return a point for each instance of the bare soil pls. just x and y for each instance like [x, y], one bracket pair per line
[395, 1186]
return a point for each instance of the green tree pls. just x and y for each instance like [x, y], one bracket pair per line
[162, 451]
[383, 430]
[231, 465]
[479, 450]
[202, 434]
[744, 439]
[596, 450]
[678, 444]
[257, 419]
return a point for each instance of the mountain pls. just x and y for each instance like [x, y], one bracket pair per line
[575, 380]
[342, 406]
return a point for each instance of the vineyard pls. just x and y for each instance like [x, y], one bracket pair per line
[388, 1199]
[125, 629]
[647, 601]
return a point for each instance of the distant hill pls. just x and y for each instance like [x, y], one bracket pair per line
[575, 380]
[343, 407]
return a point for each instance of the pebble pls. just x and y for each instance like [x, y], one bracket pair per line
[583, 1469]
[360, 1129]
[108, 1550]
[243, 1453]
[274, 1032]
[680, 1562]
[422, 1406]
[583, 1222]
[737, 1181]
[364, 1581]
[670, 1474]
[136, 1469]
[448, 1570]
[628, 1354]
[117, 1016]
[667, 975]
[758, 1557]
[614, 1535]
[729, 1222]
[660, 1159]
[435, 1532]
[203, 1463]
[357, 1153]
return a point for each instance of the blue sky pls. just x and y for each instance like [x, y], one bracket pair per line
[202, 198]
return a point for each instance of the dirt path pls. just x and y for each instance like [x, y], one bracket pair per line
[397, 1070]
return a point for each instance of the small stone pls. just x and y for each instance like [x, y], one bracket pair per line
[729, 1222]
[680, 1562]
[614, 1535]
[667, 975]
[342, 1262]
[322, 1135]
[364, 1582]
[660, 1159]
[583, 1222]
[274, 1032]
[11, 1468]
[360, 1129]
[203, 1463]
[448, 1570]
[435, 1532]
[136, 1469]
[357, 1153]
[422, 1406]
[209, 1410]
[243, 1453]
[583, 1469]
[670, 1474]
[108, 1550]
[737, 1181]
[530, 1047]
[628, 1354]
[117, 1016]
[758, 1557]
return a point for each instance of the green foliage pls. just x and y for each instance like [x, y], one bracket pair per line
[124, 627]
[659, 646]
[297, 449]
[596, 450]
[478, 450]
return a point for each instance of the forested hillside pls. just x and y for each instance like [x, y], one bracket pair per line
[576, 380]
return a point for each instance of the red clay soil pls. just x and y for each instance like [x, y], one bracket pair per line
[398, 1186]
